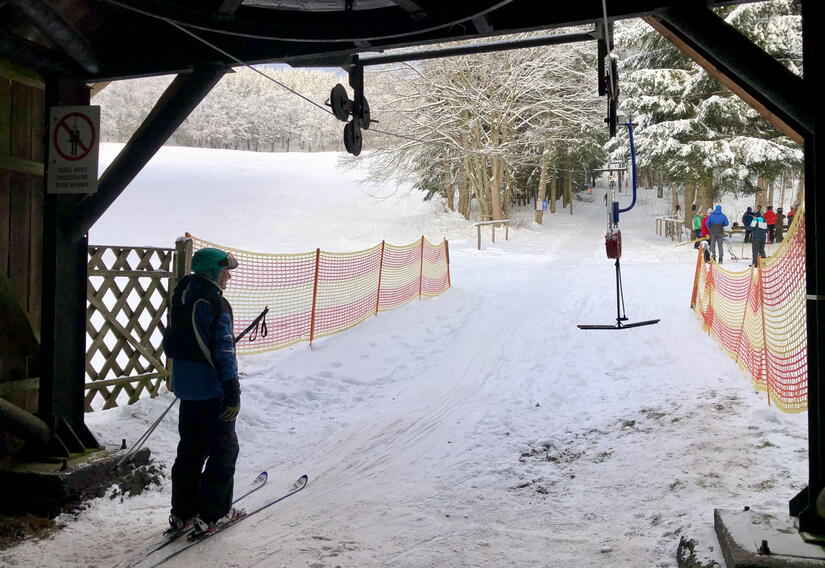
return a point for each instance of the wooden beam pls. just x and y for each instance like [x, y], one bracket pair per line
[21, 166]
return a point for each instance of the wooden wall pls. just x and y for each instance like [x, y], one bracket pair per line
[22, 128]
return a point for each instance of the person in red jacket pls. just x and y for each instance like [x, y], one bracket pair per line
[770, 219]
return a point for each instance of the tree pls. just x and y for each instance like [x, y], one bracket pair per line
[692, 129]
[485, 123]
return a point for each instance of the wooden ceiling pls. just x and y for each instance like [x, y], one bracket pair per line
[98, 40]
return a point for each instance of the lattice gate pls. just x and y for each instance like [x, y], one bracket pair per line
[128, 296]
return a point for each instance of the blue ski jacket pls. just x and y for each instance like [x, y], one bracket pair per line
[199, 339]
[716, 221]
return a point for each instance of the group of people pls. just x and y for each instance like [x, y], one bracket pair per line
[775, 220]
[759, 229]
[711, 226]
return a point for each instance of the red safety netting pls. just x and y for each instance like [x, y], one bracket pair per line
[315, 294]
[758, 316]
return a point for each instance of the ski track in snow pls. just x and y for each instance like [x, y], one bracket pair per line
[480, 428]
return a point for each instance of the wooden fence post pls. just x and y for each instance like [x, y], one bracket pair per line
[380, 272]
[696, 277]
[181, 266]
[314, 297]
[479, 236]
[421, 270]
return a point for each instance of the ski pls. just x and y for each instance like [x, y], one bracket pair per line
[297, 486]
[169, 537]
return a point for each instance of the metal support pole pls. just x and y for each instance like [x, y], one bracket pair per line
[810, 520]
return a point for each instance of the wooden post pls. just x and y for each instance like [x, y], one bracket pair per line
[421, 270]
[479, 236]
[181, 266]
[494, 233]
[314, 297]
[507, 231]
[380, 271]
[696, 277]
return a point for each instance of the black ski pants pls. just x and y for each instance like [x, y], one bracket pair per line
[199, 490]
[758, 249]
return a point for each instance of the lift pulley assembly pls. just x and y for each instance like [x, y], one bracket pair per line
[358, 108]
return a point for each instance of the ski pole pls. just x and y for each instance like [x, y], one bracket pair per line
[142, 440]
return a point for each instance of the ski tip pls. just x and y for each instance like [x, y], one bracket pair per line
[301, 482]
[261, 477]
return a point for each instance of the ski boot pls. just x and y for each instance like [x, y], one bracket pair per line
[202, 529]
[178, 526]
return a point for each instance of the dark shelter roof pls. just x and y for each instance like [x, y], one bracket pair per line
[109, 39]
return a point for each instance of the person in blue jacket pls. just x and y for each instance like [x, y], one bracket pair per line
[717, 221]
[200, 341]
[747, 219]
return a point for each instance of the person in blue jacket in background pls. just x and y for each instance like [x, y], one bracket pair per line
[747, 219]
[717, 221]
[200, 341]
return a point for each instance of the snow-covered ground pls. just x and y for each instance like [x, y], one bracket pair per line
[477, 429]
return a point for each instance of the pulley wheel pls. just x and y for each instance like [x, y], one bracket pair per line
[352, 138]
[339, 101]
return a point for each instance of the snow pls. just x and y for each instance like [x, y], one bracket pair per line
[479, 428]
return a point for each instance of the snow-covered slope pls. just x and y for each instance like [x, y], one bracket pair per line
[479, 428]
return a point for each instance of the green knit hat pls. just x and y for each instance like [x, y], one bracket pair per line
[208, 262]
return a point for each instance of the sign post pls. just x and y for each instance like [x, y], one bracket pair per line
[74, 137]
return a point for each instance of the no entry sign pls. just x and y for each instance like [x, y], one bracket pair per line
[73, 147]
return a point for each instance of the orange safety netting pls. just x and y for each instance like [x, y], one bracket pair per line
[315, 294]
[758, 316]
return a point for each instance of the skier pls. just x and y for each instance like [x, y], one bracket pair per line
[697, 228]
[759, 235]
[717, 221]
[747, 219]
[779, 231]
[200, 342]
[770, 219]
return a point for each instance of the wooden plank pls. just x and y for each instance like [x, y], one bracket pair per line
[130, 273]
[95, 385]
[5, 117]
[17, 386]
[5, 195]
[37, 209]
[19, 237]
[38, 126]
[38, 196]
[18, 74]
[21, 121]
[21, 166]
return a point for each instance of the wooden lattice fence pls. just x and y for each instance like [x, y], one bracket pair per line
[128, 297]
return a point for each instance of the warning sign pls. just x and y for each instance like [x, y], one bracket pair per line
[73, 147]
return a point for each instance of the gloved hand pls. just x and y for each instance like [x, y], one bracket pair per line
[231, 400]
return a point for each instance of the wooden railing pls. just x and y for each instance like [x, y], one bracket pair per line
[128, 296]
[494, 222]
[670, 227]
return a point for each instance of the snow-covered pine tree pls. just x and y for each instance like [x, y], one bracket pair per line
[691, 128]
